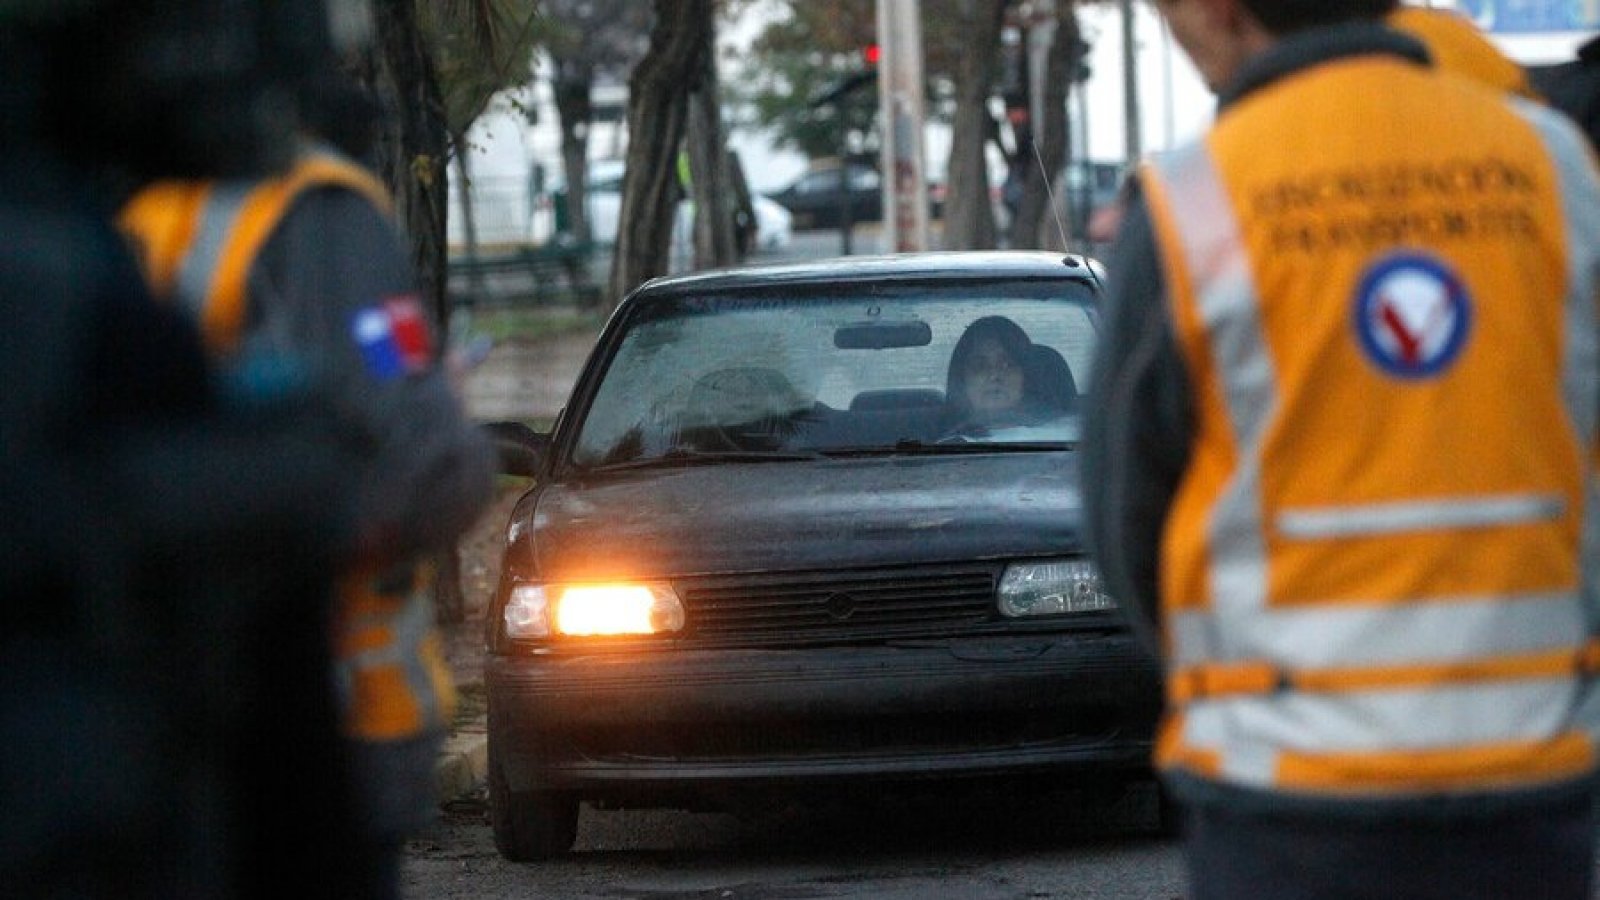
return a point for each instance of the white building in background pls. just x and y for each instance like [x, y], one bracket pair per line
[1174, 104]
[514, 145]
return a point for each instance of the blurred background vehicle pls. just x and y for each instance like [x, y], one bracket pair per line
[774, 224]
[816, 200]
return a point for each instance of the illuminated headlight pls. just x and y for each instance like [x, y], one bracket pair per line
[1052, 588]
[535, 611]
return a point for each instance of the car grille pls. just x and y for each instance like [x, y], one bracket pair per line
[839, 605]
[876, 735]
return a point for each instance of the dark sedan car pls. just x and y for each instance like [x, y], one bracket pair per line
[778, 541]
[815, 199]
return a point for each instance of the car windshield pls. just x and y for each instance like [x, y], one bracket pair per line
[780, 373]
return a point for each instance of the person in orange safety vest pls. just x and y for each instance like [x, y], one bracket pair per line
[1453, 43]
[1340, 466]
[308, 266]
[1456, 45]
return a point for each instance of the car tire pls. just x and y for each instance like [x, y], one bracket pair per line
[530, 826]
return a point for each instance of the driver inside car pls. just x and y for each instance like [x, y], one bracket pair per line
[1000, 378]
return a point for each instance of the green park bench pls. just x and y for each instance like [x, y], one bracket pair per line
[555, 272]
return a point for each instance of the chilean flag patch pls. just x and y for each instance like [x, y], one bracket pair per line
[393, 337]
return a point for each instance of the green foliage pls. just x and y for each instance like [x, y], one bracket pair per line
[600, 36]
[808, 48]
[813, 45]
[480, 47]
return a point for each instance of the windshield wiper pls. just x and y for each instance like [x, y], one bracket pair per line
[910, 447]
[685, 456]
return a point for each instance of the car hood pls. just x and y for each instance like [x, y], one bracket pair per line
[839, 513]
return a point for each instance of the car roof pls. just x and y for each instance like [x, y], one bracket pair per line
[953, 265]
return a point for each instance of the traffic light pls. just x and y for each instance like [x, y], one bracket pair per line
[850, 82]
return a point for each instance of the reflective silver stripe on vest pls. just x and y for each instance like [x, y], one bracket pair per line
[1432, 717]
[1580, 212]
[1395, 518]
[1370, 634]
[1230, 311]
[218, 218]
[410, 627]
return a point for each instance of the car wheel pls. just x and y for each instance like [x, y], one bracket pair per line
[533, 825]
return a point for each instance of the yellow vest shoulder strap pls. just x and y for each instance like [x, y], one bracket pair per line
[199, 240]
[162, 220]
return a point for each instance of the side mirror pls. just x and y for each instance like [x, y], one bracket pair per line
[520, 448]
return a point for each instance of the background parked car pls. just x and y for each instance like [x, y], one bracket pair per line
[774, 225]
[816, 200]
[763, 553]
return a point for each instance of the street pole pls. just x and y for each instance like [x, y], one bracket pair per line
[1080, 203]
[1130, 84]
[1041, 33]
[1168, 120]
[900, 99]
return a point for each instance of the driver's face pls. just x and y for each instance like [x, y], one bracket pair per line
[993, 380]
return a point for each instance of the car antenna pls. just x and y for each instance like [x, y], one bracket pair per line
[1054, 212]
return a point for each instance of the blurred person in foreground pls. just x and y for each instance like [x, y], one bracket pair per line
[169, 536]
[311, 263]
[1340, 466]
[1453, 44]
[1456, 45]
[1574, 88]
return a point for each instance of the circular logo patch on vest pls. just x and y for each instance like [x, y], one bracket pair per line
[1413, 314]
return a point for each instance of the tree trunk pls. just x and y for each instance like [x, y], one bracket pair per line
[657, 109]
[411, 154]
[574, 83]
[1036, 225]
[412, 148]
[708, 168]
[469, 221]
[968, 215]
[745, 229]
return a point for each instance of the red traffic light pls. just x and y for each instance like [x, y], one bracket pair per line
[870, 54]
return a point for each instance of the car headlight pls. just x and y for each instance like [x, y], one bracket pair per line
[535, 611]
[1052, 588]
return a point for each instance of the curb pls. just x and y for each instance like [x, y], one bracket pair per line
[463, 761]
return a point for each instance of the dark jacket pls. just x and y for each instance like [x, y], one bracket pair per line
[166, 562]
[1574, 88]
[431, 470]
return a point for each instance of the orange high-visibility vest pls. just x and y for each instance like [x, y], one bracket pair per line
[1457, 46]
[198, 242]
[1380, 574]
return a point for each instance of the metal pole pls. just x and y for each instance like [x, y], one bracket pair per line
[1168, 119]
[1130, 84]
[846, 202]
[1080, 203]
[900, 98]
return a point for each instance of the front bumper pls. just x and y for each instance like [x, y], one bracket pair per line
[618, 726]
